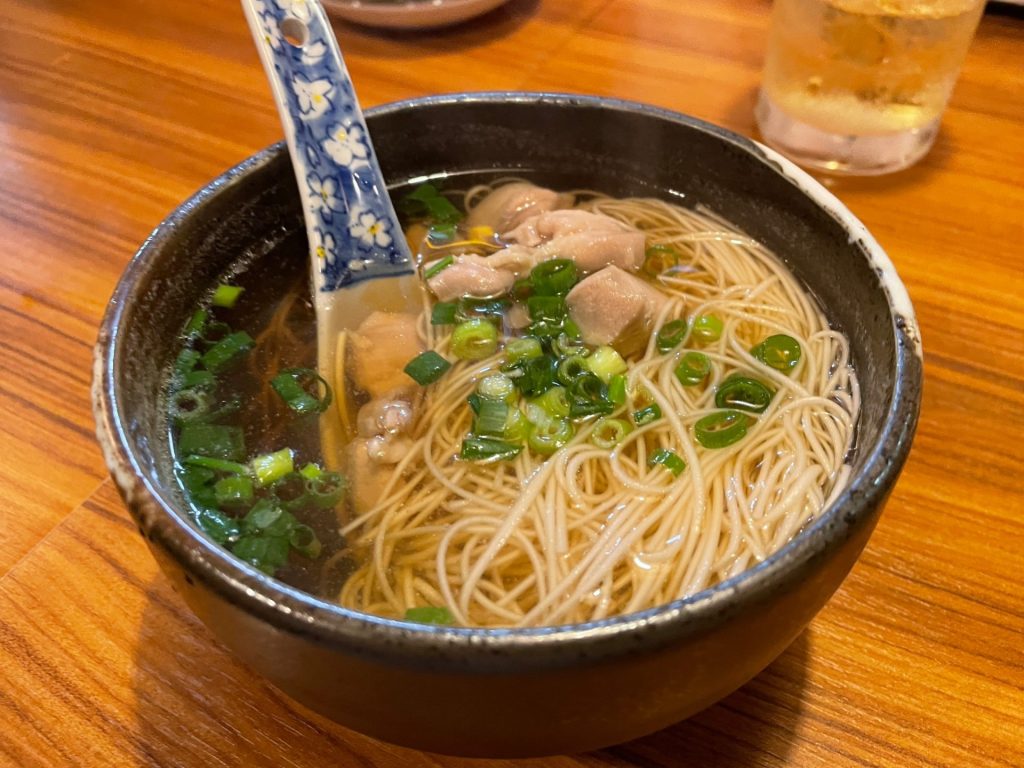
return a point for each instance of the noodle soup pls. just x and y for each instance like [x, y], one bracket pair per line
[604, 405]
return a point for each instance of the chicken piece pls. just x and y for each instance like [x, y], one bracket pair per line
[593, 251]
[614, 307]
[366, 476]
[470, 275]
[511, 204]
[385, 416]
[380, 350]
[552, 224]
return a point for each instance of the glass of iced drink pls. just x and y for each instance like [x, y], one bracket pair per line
[859, 86]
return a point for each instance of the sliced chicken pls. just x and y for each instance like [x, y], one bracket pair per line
[470, 275]
[593, 251]
[380, 350]
[553, 224]
[385, 416]
[511, 204]
[614, 307]
[366, 476]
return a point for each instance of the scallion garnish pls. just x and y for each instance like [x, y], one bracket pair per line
[608, 432]
[547, 437]
[781, 352]
[554, 402]
[605, 363]
[272, 466]
[668, 459]
[215, 524]
[671, 335]
[718, 430]
[443, 313]
[304, 541]
[490, 418]
[474, 340]
[743, 393]
[190, 405]
[197, 322]
[291, 491]
[488, 449]
[707, 328]
[234, 491]
[310, 471]
[647, 415]
[526, 348]
[571, 368]
[554, 277]
[427, 367]
[658, 259]
[537, 375]
[429, 614]
[693, 368]
[303, 389]
[214, 440]
[326, 489]
[214, 463]
[226, 295]
[497, 386]
[227, 351]
[588, 396]
[438, 267]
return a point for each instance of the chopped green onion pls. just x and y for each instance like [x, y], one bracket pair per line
[268, 553]
[234, 491]
[554, 277]
[488, 449]
[605, 363]
[310, 471]
[429, 614]
[218, 526]
[291, 491]
[670, 460]
[227, 351]
[427, 367]
[497, 386]
[548, 437]
[671, 335]
[571, 368]
[213, 332]
[546, 308]
[226, 295]
[426, 200]
[197, 322]
[743, 393]
[693, 368]
[522, 288]
[647, 415]
[526, 348]
[199, 380]
[218, 465]
[659, 259]
[212, 440]
[707, 328]
[304, 541]
[190, 405]
[568, 346]
[263, 515]
[198, 485]
[294, 386]
[555, 402]
[474, 340]
[780, 352]
[537, 376]
[516, 426]
[477, 309]
[326, 489]
[721, 429]
[187, 360]
[608, 432]
[438, 267]
[617, 389]
[490, 418]
[589, 396]
[443, 313]
[272, 466]
[571, 329]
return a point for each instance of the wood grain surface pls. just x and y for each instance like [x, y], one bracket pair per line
[112, 111]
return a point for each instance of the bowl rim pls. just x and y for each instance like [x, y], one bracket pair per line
[298, 612]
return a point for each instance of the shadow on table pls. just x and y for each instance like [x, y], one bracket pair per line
[194, 704]
[412, 43]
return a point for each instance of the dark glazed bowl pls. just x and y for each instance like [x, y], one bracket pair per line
[514, 692]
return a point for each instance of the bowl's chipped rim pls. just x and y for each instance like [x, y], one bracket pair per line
[480, 649]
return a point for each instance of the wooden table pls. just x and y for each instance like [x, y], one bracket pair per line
[112, 112]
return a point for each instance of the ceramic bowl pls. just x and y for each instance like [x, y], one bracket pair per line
[409, 14]
[534, 691]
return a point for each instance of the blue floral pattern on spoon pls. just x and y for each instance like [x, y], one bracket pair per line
[351, 224]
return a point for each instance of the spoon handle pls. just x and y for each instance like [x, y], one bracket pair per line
[353, 231]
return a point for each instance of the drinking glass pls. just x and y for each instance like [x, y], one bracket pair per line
[859, 86]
